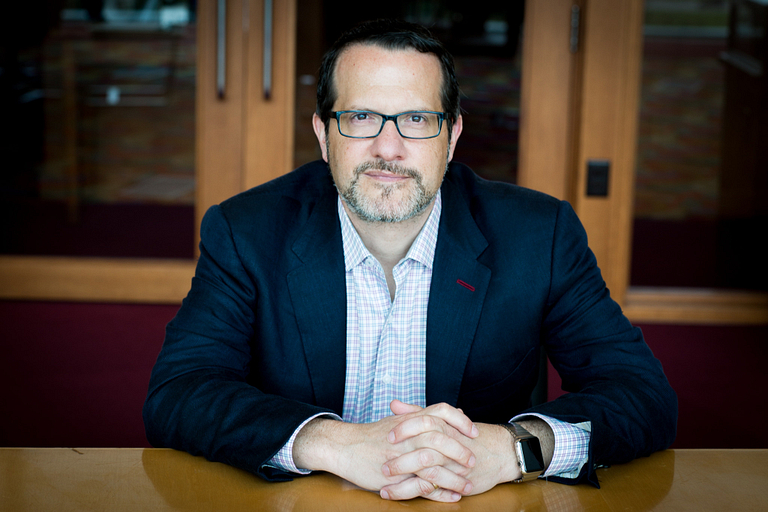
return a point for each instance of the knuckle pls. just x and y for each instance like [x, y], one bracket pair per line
[431, 474]
[426, 458]
[436, 439]
[443, 410]
[428, 422]
[425, 488]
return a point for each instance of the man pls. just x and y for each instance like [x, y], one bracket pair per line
[409, 298]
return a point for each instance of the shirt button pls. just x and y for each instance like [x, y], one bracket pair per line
[386, 379]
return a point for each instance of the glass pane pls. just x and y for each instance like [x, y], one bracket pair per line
[484, 40]
[98, 128]
[701, 191]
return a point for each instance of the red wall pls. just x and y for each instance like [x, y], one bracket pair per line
[717, 372]
[76, 375]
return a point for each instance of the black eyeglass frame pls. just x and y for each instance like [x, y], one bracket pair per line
[384, 118]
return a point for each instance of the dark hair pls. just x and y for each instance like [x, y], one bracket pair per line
[390, 35]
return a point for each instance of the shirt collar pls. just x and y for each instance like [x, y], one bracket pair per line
[422, 250]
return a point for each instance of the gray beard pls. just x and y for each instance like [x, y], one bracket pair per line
[378, 208]
[371, 210]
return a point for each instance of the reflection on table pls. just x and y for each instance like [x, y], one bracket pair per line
[64, 479]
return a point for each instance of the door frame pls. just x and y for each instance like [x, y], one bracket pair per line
[607, 79]
[235, 150]
[575, 106]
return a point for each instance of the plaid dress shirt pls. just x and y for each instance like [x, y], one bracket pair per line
[386, 342]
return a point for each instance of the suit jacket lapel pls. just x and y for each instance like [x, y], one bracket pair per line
[318, 292]
[456, 296]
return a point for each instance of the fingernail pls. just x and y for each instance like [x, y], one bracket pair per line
[475, 432]
[391, 437]
[468, 488]
[385, 470]
[471, 462]
[384, 494]
[455, 496]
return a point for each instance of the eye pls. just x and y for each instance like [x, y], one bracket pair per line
[363, 118]
[416, 119]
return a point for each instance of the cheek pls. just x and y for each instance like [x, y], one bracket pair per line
[348, 153]
[436, 161]
[341, 161]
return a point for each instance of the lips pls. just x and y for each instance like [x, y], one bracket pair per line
[386, 171]
[385, 176]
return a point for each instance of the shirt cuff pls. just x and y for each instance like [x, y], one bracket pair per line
[283, 459]
[571, 445]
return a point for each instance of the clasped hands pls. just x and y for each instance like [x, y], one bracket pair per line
[435, 452]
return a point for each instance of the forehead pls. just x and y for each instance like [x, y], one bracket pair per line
[389, 81]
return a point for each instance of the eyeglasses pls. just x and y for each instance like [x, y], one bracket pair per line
[364, 124]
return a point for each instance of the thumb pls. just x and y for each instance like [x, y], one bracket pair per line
[399, 407]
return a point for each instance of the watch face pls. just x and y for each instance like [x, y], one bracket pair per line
[532, 458]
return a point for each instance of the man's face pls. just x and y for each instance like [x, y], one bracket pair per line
[387, 178]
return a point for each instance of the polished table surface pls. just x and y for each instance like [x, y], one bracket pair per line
[63, 479]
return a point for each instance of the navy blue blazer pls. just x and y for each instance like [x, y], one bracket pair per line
[258, 345]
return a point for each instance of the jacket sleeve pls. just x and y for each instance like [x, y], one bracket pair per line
[199, 398]
[613, 379]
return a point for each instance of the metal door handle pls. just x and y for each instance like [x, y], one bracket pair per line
[221, 48]
[267, 65]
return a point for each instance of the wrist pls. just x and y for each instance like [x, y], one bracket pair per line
[527, 453]
[509, 470]
[314, 447]
[541, 429]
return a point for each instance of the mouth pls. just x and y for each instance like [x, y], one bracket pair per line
[385, 176]
[384, 172]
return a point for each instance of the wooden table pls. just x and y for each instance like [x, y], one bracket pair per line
[63, 479]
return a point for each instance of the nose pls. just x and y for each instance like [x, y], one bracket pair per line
[389, 144]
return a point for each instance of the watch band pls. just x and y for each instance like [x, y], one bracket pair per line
[527, 450]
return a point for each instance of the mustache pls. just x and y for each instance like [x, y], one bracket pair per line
[382, 165]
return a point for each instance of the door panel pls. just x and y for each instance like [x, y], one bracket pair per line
[98, 129]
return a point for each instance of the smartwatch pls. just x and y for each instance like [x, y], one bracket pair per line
[527, 451]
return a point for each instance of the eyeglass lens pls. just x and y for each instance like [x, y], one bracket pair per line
[415, 125]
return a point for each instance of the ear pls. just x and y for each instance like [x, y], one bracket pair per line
[458, 125]
[319, 127]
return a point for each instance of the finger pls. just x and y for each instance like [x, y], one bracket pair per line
[453, 417]
[420, 435]
[418, 487]
[445, 479]
[430, 466]
[411, 462]
[397, 407]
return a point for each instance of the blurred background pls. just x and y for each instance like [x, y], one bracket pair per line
[116, 136]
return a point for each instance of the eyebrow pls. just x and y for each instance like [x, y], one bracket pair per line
[416, 109]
